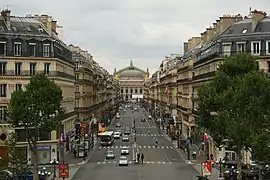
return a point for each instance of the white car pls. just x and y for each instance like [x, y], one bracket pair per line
[116, 135]
[123, 161]
[125, 138]
[149, 117]
[110, 155]
[124, 150]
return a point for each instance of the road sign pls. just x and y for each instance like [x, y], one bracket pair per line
[187, 141]
[63, 170]
[206, 168]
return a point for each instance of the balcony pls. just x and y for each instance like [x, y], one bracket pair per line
[204, 76]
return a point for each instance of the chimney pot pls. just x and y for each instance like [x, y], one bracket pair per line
[6, 15]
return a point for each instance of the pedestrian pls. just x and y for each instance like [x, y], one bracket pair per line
[138, 158]
[75, 153]
[142, 157]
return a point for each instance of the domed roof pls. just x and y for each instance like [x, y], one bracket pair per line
[130, 71]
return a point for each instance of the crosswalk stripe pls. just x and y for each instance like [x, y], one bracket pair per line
[131, 162]
[138, 146]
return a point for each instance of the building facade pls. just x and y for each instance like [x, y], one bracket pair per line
[131, 81]
[28, 47]
[230, 34]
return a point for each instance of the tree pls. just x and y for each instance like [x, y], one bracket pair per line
[38, 107]
[235, 105]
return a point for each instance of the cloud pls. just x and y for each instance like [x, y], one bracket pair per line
[116, 31]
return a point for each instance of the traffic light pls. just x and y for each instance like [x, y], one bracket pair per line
[78, 129]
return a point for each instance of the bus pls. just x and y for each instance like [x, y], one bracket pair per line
[106, 138]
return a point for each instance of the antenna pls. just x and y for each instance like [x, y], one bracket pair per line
[250, 11]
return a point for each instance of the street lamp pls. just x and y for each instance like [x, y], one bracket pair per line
[54, 162]
[84, 144]
[220, 168]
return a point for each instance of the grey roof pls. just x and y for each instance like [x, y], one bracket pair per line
[24, 25]
[246, 24]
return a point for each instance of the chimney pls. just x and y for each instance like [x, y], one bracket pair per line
[203, 37]
[185, 47]
[6, 15]
[54, 26]
[227, 20]
[256, 17]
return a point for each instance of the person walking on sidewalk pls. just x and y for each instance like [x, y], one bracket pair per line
[75, 153]
[142, 157]
[138, 158]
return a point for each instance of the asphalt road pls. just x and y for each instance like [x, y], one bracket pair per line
[162, 162]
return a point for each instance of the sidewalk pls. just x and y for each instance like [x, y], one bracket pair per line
[195, 163]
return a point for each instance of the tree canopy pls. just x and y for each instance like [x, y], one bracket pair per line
[37, 107]
[235, 106]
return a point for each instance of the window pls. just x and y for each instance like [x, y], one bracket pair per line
[76, 77]
[122, 91]
[226, 49]
[3, 67]
[267, 47]
[3, 112]
[18, 87]
[131, 91]
[77, 89]
[255, 48]
[3, 89]
[77, 65]
[126, 91]
[136, 91]
[32, 68]
[140, 91]
[47, 68]
[46, 50]
[240, 47]
[18, 68]
[17, 49]
[32, 49]
[3, 48]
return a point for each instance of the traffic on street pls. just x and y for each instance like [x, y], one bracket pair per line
[136, 150]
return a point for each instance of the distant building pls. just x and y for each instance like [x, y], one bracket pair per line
[131, 80]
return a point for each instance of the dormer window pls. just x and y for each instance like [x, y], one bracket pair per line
[244, 31]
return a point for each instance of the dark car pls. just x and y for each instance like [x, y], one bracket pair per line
[127, 132]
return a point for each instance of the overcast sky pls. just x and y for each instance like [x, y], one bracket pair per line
[116, 31]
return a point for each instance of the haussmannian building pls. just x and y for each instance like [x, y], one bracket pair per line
[228, 35]
[131, 81]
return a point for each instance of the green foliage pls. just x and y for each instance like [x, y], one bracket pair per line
[239, 96]
[38, 107]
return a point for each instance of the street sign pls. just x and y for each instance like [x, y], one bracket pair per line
[206, 168]
[63, 170]
[187, 141]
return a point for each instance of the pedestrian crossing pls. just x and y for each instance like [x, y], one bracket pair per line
[131, 162]
[142, 127]
[153, 135]
[138, 146]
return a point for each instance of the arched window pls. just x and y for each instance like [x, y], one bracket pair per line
[77, 88]
[141, 91]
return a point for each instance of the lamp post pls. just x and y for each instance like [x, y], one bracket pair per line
[84, 145]
[54, 162]
[220, 169]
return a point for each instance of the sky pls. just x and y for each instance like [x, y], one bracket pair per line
[145, 31]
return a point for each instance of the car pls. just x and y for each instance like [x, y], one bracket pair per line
[127, 132]
[149, 117]
[124, 150]
[125, 138]
[143, 120]
[123, 161]
[116, 135]
[118, 124]
[110, 155]
[135, 109]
